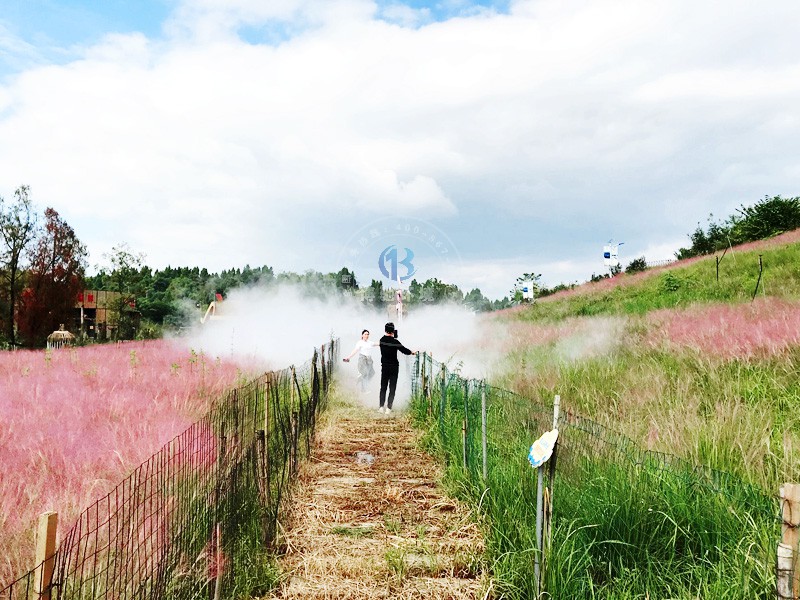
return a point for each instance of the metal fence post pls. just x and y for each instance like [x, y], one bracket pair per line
[548, 510]
[483, 432]
[422, 384]
[268, 497]
[429, 390]
[540, 516]
[442, 404]
[218, 564]
[760, 273]
[465, 426]
[537, 576]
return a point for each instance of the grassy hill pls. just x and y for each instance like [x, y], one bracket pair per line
[684, 283]
[678, 361]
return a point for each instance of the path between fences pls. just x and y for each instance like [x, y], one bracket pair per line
[369, 520]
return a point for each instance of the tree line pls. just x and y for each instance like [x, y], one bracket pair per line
[43, 269]
[766, 218]
[171, 298]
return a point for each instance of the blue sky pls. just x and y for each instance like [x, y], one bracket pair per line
[520, 135]
[51, 29]
[54, 26]
[70, 22]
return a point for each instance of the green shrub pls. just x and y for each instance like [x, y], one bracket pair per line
[637, 265]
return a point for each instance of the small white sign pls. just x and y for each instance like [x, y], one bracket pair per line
[542, 449]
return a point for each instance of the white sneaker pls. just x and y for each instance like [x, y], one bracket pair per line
[388, 411]
[380, 409]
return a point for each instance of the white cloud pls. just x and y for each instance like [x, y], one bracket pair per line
[619, 116]
[404, 15]
[497, 277]
[208, 20]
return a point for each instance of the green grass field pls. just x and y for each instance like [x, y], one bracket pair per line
[670, 369]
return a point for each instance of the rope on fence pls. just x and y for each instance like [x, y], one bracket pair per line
[178, 524]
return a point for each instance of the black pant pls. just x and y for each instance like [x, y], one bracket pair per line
[388, 377]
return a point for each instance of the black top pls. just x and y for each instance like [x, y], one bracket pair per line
[389, 348]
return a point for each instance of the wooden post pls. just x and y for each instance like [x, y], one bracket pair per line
[45, 554]
[790, 510]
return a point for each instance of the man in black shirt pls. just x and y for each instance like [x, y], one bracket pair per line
[390, 366]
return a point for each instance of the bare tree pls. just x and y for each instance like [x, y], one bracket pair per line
[17, 229]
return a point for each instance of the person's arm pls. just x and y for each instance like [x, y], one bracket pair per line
[352, 354]
[402, 348]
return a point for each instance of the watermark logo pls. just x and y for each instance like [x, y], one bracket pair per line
[399, 249]
[389, 256]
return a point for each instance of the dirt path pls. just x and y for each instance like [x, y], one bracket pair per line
[369, 520]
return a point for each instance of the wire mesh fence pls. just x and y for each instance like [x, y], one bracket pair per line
[189, 520]
[620, 513]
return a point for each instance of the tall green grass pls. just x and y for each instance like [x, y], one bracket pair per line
[735, 415]
[711, 381]
[626, 523]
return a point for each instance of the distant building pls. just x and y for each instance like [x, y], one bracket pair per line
[95, 315]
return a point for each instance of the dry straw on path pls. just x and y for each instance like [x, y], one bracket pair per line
[368, 519]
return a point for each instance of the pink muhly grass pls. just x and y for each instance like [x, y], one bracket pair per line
[215, 560]
[75, 422]
[784, 239]
[763, 328]
[522, 334]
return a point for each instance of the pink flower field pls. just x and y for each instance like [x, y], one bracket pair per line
[762, 328]
[75, 422]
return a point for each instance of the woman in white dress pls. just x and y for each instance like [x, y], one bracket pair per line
[364, 350]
